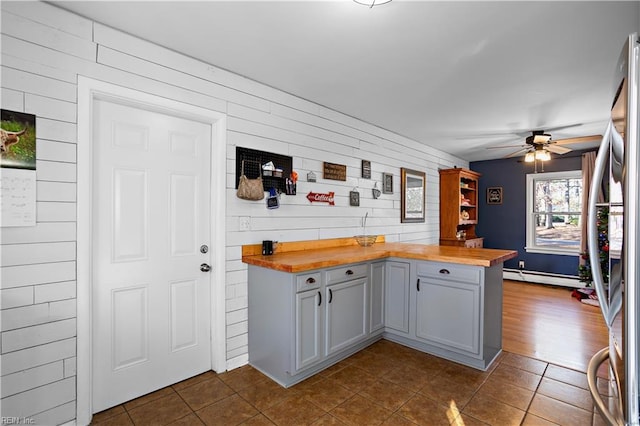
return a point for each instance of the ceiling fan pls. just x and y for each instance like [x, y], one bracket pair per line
[539, 146]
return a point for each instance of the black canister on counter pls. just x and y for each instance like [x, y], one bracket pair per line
[267, 247]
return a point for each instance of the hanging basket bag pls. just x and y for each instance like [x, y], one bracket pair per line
[250, 189]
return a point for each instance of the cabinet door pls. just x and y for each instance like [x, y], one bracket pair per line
[308, 328]
[346, 314]
[376, 311]
[448, 314]
[397, 296]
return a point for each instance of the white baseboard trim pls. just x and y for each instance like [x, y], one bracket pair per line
[542, 278]
[238, 361]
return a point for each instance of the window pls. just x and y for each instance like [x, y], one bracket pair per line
[554, 210]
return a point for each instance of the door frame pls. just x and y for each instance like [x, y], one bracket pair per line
[90, 90]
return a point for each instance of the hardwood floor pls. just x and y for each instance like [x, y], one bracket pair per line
[546, 323]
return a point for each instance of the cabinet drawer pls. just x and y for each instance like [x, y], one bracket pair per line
[307, 281]
[345, 273]
[450, 272]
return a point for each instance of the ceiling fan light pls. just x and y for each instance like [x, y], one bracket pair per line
[542, 155]
[530, 157]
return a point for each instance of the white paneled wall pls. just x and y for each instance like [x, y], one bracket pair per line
[44, 49]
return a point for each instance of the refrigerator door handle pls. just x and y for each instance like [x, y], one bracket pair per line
[592, 378]
[617, 154]
[592, 227]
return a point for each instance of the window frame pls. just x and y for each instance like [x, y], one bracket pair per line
[531, 246]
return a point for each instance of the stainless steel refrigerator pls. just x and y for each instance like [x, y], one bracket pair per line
[618, 289]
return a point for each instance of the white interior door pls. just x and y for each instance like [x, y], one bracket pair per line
[151, 215]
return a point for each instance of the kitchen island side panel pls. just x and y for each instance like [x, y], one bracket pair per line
[271, 321]
[492, 311]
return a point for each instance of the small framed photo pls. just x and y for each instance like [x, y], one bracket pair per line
[494, 195]
[366, 169]
[354, 198]
[387, 183]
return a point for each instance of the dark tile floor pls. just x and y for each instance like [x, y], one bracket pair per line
[385, 384]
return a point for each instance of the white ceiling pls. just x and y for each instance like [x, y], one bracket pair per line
[458, 76]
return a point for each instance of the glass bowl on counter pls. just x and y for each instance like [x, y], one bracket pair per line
[366, 240]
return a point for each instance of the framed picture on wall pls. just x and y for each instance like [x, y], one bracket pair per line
[366, 169]
[387, 183]
[354, 198]
[494, 195]
[18, 140]
[17, 169]
[412, 196]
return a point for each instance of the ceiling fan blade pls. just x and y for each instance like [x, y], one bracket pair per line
[568, 126]
[557, 149]
[517, 153]
[580, 139]
[482, 136]
[505, 146]
[519, 132]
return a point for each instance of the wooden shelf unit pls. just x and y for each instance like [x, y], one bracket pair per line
[459, 207]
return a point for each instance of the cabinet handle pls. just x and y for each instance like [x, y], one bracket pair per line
[418, 284]
[311, 280]
[349, 272]
[330, 295]
[444, 271]
[319, 298]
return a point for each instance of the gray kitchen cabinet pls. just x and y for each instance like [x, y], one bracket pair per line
[346, 314]
[456, 312]
[377, 274]
[300, 324]
[396, 300]
[448, 313]
[309, 331]
[309, 320]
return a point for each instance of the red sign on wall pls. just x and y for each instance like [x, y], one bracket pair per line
[321, 198]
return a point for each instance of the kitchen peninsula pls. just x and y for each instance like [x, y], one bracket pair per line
[314, 303]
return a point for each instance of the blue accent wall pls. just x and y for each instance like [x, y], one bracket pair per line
[504, 225]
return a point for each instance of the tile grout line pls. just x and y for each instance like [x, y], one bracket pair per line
[186, 403]
[535, 392]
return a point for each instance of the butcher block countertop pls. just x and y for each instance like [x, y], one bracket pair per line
[303, 256]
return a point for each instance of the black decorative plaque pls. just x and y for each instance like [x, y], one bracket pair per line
[366, 169]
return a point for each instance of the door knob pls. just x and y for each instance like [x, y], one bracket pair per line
[205, 268]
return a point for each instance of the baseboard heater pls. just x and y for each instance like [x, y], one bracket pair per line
[542, 278]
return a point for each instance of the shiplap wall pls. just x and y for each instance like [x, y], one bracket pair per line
[44, 49]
